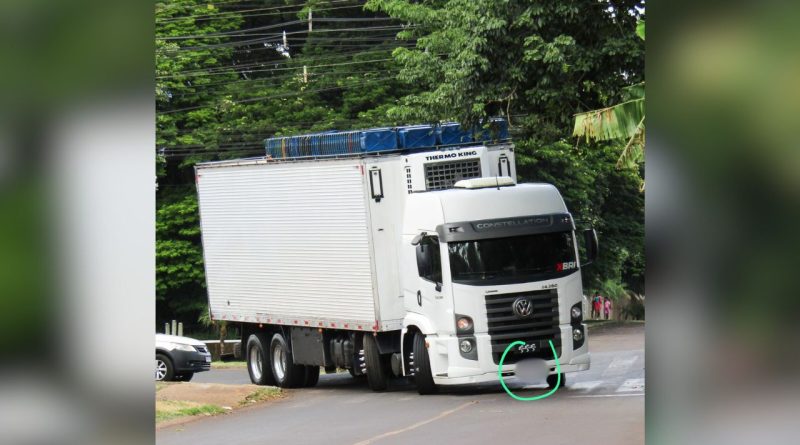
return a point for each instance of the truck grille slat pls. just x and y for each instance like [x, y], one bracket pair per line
[506, 327]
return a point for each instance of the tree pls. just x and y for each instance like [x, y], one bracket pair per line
[621, 121]
[537, 63]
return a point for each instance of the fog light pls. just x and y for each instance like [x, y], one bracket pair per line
[464, 324]
[576, 312]
[577, 335]
[466, 346]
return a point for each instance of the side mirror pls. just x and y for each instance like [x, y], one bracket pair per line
[438, 287]
[591, 246]
[424, 259]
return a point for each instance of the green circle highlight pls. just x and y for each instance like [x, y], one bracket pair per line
[528, 399]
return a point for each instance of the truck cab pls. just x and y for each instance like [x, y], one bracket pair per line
[487, 263]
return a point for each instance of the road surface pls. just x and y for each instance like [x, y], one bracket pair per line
[602, 405]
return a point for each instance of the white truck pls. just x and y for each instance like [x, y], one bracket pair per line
[407, 263]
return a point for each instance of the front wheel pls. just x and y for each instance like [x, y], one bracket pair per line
[552, 380]
[422, 366]
[164, 369]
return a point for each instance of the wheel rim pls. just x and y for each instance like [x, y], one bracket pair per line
[256, 362]
[279, 361]
[161, 369]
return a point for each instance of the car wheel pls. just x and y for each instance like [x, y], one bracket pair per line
[258, 363]
[422, 366]
[286, 373]
[164, 369]
[377, 378]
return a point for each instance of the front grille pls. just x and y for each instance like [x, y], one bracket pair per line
[443, 175]
[202, 349]
[542, 325]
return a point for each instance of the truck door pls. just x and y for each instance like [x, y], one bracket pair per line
[428, 297]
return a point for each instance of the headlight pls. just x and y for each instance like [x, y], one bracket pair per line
[577, 335]
[464, 324]
[466, 346]
[576, 312]
[180, 347]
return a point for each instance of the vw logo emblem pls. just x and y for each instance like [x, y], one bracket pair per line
[522, 307]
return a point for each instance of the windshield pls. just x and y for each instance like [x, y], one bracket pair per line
[517, 258]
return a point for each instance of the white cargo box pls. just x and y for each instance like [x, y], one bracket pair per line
[314, 243]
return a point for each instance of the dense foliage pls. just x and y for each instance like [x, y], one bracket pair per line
[226, 79]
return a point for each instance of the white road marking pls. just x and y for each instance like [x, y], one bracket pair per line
[417, 425]
[619, 365]
[585, 386]
[632, 385]
[608, 395]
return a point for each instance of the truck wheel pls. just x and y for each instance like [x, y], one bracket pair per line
[422, 366]
[376, 373]
[553, 378]
[258, 365]
[164, 370]
[287, 374]
[312, 376]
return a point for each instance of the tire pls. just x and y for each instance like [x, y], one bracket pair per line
[258, 363]
[164, 372]
[422, 366]
[552, 379]
[286, 373]
[312, 376]
[185, 377]
[377, 378]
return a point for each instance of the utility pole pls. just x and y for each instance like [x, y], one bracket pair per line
[285, 40]
[305, 74]
[309, 21]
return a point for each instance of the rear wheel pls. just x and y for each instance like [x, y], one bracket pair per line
[287, 374]
[258, 365]
[422, 366]
[376, 373]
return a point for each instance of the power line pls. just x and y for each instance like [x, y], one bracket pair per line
[213, 16]
[276, 38]
[279, 79]
[281, 95]
[270, 62]
[283, 69]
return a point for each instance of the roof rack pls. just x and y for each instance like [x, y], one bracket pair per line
[383, 140]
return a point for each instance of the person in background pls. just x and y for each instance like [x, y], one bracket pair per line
[607, 308]
[596, 305]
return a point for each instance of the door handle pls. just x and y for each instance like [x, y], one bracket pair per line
[419, 298]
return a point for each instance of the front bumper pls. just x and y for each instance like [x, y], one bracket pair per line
[190, 361]
[450, 368]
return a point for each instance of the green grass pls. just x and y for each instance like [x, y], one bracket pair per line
[173, 409]
[261, 395]
[228, 365]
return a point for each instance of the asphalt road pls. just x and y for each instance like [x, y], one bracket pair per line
[603, 405]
